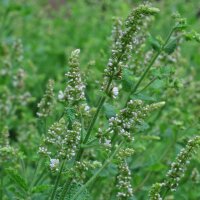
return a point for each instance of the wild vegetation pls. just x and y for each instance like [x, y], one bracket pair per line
[99, 100]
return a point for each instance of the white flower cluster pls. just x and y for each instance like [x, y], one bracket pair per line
[81, 168]
[115, 92]
[19, 51]
[46, 104]
[18, 79]
[117, 29]
[54, 164]
[74, 92]
[104, 140]
[124, 153]
[179, 167]
[154, 193]
[8, 153]
[129, 117]
[123, 46]
[195, 176]
[124, 182]
[177, 170]
[62, 142]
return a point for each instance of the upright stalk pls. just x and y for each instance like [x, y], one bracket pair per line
[81, 150]
[100, 104]
[150, 65]
[57, 182]
[97, 173]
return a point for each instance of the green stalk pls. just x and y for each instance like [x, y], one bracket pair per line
[97, 173]
[100, 104]
[145, 87]
[102, 100]
[39, 177]
[81, 150]
[57, 181]
[150, 65]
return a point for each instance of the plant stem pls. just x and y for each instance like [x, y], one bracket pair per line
[145, 87]
[81, 150]
[100, 104]
[97, 173]
[102, 100]
[35, 173]
[39, 177]
[150, 65]
[57, 181]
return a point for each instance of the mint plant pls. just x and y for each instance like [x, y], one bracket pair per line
[78, 148]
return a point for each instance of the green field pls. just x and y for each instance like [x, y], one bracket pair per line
[99, 100]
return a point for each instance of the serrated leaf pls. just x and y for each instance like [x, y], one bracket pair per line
[40, 188]
[70, 114]
[19, 180]
[72, 191]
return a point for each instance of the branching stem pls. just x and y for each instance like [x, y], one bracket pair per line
[98, 172]
[150, 65]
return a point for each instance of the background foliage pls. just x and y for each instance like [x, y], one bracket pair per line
[49, 30]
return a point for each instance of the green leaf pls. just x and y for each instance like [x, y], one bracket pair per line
[70, 114]
[171, 46]
[40, 188]
[72, 191]
[150, 137]
[158, 84]
[156, 167]
[155, 43]
[109, 110]
[127, 80]
[19, 180]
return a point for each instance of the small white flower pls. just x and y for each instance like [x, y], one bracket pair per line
[115, 92]
[61, 95]
[107, 143]
[87, 108]
[76, 51]
[54, 163]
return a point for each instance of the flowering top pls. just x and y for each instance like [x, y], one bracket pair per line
[177, 170]
[123, 45]
[45, 105]
[54, 164]
[74, 91]
[8, 153]
[19, 51]
[178, 167]
[154, 194]
[131, 116]
[124, 182]
[61, 142]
